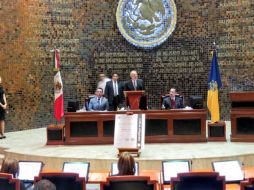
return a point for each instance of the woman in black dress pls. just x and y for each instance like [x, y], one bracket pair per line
[3, 106]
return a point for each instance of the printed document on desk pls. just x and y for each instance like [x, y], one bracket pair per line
[129, 131]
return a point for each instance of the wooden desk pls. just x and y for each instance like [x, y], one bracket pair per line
[162, 126]
[153, 174]
[248, 172]
[98, 176]
[242, 116]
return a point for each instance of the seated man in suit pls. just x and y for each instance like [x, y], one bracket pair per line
[98, 103]
[172, 101]
[114, 92]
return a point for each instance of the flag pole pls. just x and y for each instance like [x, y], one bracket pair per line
[58, 87]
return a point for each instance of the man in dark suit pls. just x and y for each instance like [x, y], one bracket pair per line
[134, 83]
[173, 101]
[98, 103]
[114, 92]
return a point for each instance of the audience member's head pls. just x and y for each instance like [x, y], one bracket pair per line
[99, 92]
[126, 164]
[134, 75]
[10, 166]
[44, 184]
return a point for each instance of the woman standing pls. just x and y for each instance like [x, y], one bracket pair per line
[3, 106]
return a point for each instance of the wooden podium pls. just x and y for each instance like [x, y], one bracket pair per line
[133, 97]
[242, 116]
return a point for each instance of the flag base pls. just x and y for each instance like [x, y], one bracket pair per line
[55, 134]
[217, 131]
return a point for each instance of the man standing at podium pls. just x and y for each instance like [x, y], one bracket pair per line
[98, 103]
[172, 101]
[114, 92]
[134, 83]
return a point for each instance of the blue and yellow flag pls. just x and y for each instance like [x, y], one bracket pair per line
[214, 84]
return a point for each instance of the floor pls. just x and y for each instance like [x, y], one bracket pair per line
[31, 145]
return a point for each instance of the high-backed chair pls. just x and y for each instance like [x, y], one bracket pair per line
[7, 182]
[198, 181]
[247, 185]
[63, 181]
[162, 97]
[129, 183]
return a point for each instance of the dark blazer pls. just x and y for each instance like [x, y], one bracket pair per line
[109, 91]
[167, 102]
[129, 85]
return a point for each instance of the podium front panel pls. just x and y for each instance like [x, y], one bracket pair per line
[83, 129]
[156, 127]
[186, 126]
[108, 128]
[245, 125]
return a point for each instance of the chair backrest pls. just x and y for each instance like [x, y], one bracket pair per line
[63, 181]
[129, 183]
[73, 106]
[167, 95]
[247, 185]
[7, 182]
[198, 181]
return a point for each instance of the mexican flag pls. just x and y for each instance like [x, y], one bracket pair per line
[58, 88]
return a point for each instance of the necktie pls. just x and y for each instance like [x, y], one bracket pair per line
[135, 84]
[173, 104]
[99, 103]
[115, 89]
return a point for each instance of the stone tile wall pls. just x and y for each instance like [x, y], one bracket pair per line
[90, 43]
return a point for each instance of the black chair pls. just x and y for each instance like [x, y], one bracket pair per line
[7, 182]
[73, 106]
[247, 185]
[196, 102]
[129, 183]
[63, 181]
[198, 181]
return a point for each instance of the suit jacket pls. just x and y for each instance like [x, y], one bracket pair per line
[129, 85]
[109, 91]
[167, 102]
[95, 106]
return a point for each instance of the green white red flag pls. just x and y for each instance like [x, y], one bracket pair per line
[58, 88]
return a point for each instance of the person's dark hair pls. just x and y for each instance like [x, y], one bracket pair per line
[126, 164]
[114, 74]
[99, 89]
[10, 166]
[44, 184]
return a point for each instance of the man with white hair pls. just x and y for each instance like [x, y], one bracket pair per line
[134, 83]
